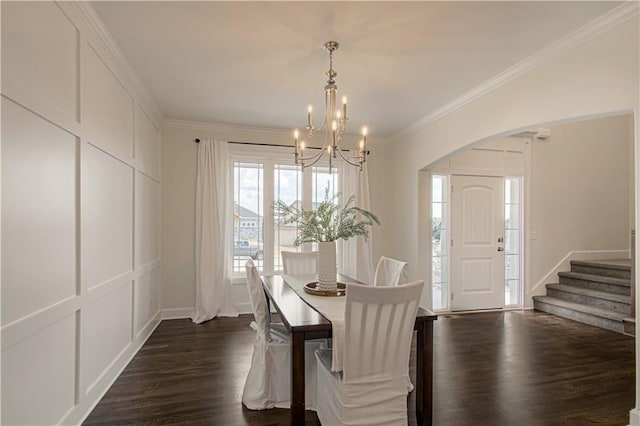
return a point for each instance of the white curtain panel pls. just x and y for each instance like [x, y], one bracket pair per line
[357, 252]
[213, 233]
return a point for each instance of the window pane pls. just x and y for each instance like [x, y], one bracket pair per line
[512, 266]
[440, 286]
[436, 189]
[439, 243]
[512, 190]
[511, 216]
[512, 242]
[512, 292]
[288, 188]
[323, 180]
[248, 232]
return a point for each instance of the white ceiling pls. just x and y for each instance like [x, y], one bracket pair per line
[261, 63]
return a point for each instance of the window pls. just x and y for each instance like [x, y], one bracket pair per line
[440, 241]
[262, 175]
[512, 243]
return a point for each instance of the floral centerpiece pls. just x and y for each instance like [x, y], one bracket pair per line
[324, 225]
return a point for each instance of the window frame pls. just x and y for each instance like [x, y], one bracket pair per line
[270, 156]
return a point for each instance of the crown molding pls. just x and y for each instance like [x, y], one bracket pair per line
[224, 127]
[600, 25]
[88, 15]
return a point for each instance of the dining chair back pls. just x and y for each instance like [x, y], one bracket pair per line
[258, 299]
[390, 272]
[378, 329]
[372, 389]
[268, 382]
[303, 263]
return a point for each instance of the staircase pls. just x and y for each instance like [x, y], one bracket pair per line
[595, 292]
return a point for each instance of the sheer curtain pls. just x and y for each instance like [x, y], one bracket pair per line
[357, 253]
[213, 233]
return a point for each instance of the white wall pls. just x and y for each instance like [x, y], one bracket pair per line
[579, 199]
[80, 154]
[599, 76]
[179, 153]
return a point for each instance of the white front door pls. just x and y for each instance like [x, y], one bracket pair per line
[477, 249]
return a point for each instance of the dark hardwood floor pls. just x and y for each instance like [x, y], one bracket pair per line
[512, 369]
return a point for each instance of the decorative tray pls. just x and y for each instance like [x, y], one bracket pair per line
[311, 289]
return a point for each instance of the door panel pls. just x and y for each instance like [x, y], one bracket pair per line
[477, 231]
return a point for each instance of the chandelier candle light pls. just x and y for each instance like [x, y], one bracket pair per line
[334, 125]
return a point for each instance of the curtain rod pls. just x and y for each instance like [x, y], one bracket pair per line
[258, 143]
[272, 144]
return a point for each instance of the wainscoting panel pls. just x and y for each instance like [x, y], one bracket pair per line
[38, 376]
[106, 332]
[75, 310]
[38, 213]
[40, 52]
[109, 109]
[107, 217]
[147, 145]
[146, 300]
[147, 220]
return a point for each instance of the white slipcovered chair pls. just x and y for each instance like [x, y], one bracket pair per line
[371, 389]
[268, 384]
[390, 272]
[304, 263]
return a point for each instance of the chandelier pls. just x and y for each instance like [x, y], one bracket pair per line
[333, 126]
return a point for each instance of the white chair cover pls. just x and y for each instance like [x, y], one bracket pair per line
[268, 384]
[390, 272]
[305, 263]
[371, 390]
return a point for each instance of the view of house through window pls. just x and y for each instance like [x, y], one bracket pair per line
[258, 233]
[248, 214]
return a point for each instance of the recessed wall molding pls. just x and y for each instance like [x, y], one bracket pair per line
[79, 143]
[22, 95]
[121, 67]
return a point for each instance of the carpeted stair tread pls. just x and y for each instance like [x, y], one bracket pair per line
[602, 264]
[591, 310]
[596, 278]
[621, 298]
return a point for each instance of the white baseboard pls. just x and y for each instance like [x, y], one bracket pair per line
[565, 265]
[177, 313]
[99, 388]
[634, 417]
[180, 313]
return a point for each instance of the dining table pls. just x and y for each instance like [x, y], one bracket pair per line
[305, 322]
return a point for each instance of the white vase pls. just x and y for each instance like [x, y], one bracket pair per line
[327, 269]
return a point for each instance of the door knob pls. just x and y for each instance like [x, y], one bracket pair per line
[500, 239]
[500, 248]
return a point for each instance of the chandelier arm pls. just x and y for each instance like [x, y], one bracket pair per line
[314, 159]
[358, 164]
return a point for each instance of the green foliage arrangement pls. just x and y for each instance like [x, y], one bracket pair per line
[329, 222]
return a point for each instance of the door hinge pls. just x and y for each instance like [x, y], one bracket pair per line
[452, 242]
[451, 295]
[452, 189]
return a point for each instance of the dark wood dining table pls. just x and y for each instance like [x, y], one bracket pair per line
[305, 323]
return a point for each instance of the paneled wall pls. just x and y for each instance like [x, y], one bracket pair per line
[80, 213]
